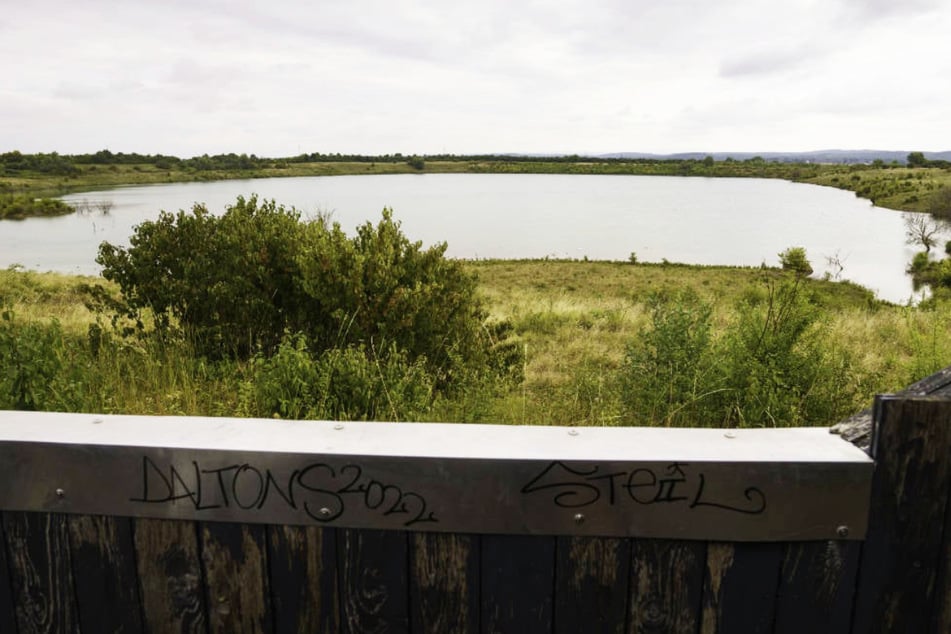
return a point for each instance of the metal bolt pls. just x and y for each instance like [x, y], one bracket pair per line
[842, 531]
[730, 434]
[579, 518]
[338, 427]
[60, 493]
[325, 511]
[572, 432]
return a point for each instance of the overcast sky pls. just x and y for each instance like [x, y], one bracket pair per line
[278, 78]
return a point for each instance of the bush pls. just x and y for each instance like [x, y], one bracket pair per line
[232, 283]
[794, 259]
[31, 359]
[664, 377]
[235, 284]
[352, 383]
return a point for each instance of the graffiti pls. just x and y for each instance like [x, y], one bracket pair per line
[316, 489]
[675, 483]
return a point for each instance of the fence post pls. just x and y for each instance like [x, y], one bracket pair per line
[904, 558]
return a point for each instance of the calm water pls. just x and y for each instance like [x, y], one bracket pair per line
[695, 220]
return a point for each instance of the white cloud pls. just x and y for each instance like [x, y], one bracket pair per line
[195, 76]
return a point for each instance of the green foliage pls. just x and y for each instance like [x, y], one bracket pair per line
[380, 286]
[351, 383]
[772, 366]
[233, 285]
[917, 159]
[665, 372]
[794, 259]
[230, 282]
[14, 207]
[30, 357]
[416, 162]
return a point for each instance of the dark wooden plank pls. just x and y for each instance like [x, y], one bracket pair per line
[444, 583]
[40, 575]
[374, 580]
[740, 584]
[170, 576]
[103, 558]
[518, 584]
[7, 618]
[666, 586]
[910, 488]
[303, 579]
[817, 587]
[942, 611]
[236, 582]
[591, 585]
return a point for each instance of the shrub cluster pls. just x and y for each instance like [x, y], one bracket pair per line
[770, 366]
[259, 282]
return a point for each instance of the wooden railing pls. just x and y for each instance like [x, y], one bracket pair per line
[137, 524]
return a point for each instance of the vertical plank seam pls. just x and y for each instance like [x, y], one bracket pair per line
[139, 590]
[702, 571]
[408, 579]
[272, 605]
[63, 522]
[784, 557]
[203, 577]
[340, 556]
[944, 569]
[7, 570]
[629, 591]
[554, 582]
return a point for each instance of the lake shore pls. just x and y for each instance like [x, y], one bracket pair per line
[890, 186]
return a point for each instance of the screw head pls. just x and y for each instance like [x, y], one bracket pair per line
[579, 518]
[842, 531]
[730, 434]
[572, 432]
[325, 511]
[338, 427]
[60, 493]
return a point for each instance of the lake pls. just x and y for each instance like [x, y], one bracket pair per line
[735, 221]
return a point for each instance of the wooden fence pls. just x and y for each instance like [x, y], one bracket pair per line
[192, 549]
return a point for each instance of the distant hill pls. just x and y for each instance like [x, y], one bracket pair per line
[819, 156]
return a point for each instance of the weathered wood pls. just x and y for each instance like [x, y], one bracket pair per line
[857, 429]
[444, 583]
[816, 587]
[236, 583]
[591, 578]
[7, 602]
[40, 575]
[740, 587]
[903, 550]
[666, 586]
[170, 576]
[374, 581]
[303, 579]
[103, 558]
[942, 611]
[518, 583]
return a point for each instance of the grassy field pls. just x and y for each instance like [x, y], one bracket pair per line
[893, 187]
[575, 321]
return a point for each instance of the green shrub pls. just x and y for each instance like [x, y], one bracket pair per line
[664, 377]
[351, 383]
[234, 284]
[794, 259]
[30, 359]
[231, 282]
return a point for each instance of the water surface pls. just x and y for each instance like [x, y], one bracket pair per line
[735, 221]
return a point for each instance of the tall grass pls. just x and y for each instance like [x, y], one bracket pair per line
[593, 334]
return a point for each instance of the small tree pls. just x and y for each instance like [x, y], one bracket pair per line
[917, 159]
[920, 229]
[794, 259]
